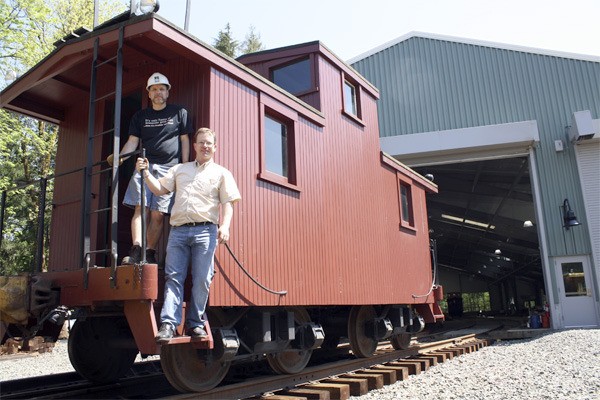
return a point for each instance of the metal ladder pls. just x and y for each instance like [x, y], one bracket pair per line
[112, 208]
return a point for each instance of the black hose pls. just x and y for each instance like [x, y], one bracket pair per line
[281, 293]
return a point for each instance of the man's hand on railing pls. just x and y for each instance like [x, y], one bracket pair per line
[111, 158]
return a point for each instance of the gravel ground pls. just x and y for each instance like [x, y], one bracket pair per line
[559, 365]
[28, 365]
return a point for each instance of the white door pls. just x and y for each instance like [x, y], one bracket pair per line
[575, 288]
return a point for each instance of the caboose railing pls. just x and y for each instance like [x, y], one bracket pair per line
[40, 223]
[39, 244]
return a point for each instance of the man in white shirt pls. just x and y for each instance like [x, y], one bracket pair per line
[200, 187]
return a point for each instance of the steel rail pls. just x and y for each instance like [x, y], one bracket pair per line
[258, 386]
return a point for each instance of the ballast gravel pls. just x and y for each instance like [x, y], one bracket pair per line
[558, 365]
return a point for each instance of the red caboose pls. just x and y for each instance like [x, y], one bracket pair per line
[336, 229]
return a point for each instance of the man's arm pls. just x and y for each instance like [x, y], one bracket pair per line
[185, 148]
[130, 145]
[227, 211]
[153, 184]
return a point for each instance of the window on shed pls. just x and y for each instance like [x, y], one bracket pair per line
[295, 77]
[278, 145]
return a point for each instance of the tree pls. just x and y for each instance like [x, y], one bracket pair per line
[28, 29]
[228, 45]
[225, 42]
[252, 43]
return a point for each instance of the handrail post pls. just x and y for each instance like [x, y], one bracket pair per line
[2, 207]
[39, 253]
[143, 209]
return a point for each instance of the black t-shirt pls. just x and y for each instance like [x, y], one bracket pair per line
[160, 131]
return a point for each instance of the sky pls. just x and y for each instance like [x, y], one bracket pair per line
[350, 28]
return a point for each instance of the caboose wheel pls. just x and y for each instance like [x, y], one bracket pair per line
[190, 370]
[96, 348]
[401, 341]
[362, 345]
[292, 362]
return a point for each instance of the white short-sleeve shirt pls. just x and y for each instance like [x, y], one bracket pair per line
[199, 191]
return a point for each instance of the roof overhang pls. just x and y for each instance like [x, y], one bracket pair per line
[460, 145]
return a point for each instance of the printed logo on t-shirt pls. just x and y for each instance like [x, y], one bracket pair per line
[152, 123]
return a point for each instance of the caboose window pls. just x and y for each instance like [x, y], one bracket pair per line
[407, 219]
[350, 99]
[276, 146]
[404, 194]
[294, 77]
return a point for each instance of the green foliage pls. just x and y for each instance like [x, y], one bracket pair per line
[225, 42]
[28, 30]
[228, 45]
[27, 150]
[252, 43]
[476, 302]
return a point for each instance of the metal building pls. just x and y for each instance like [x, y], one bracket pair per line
[512, 137]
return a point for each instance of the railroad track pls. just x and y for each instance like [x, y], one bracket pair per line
[341, 379]
[333, 375]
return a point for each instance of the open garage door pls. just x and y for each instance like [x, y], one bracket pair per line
[483, 220]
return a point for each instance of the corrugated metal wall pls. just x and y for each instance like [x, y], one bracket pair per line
[430, 84]
[588, 157]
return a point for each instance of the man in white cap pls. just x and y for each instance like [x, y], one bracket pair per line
[163, 129]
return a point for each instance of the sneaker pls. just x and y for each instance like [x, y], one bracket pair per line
[165, 333]
[197, 333]
[134, 257]
[151, 256]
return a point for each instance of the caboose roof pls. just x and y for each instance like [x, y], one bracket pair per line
[47, 90]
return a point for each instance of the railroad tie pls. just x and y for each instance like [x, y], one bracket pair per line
[401, 372]
[433, 360]
[423, 361]
[308, 394]
[358, 386]
[441, 355]
[389, 376]
[374, 381]
[337, 391]
[414, 367]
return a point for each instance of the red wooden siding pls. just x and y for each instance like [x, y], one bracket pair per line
[338, 240]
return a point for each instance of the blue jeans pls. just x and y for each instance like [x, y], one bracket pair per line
[198, 244]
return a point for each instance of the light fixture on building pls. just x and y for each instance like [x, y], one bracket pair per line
[141, 7]
[497, 252]
[527, 224]
[569, 217]
[469, 222]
